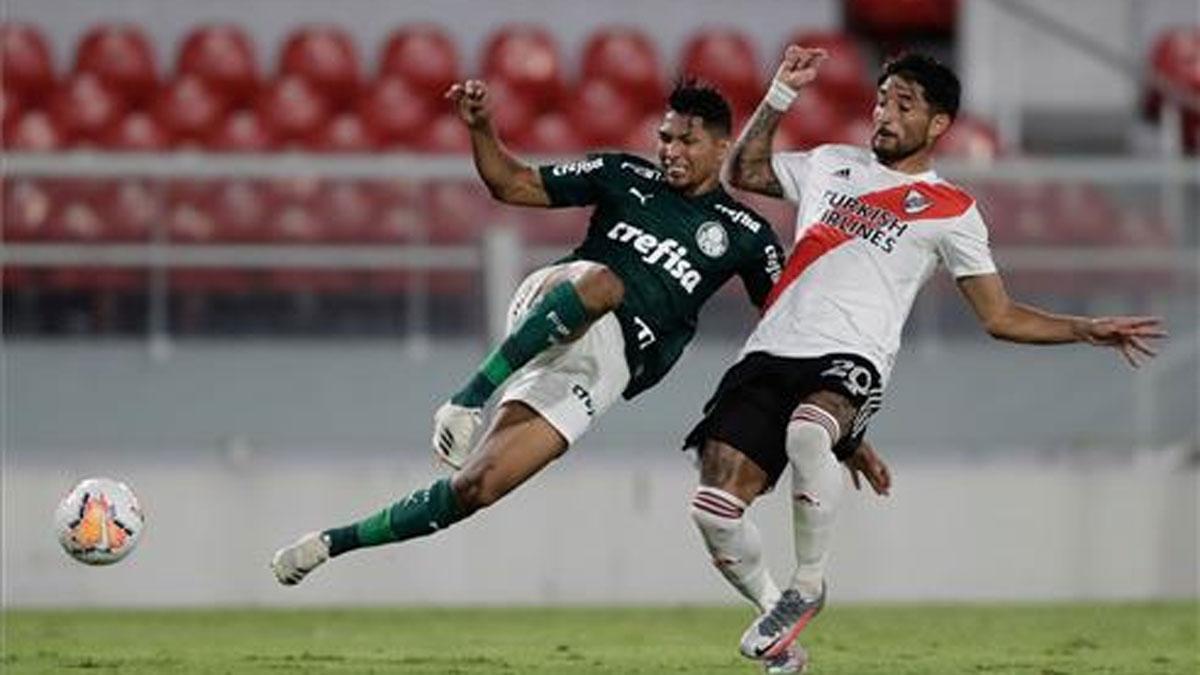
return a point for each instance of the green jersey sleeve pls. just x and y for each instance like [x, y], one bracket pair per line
[575, 183]
[761, 271]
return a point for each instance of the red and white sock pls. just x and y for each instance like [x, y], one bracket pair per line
[734, 544]
[817, 486]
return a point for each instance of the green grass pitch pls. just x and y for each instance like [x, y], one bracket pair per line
[1043, 639]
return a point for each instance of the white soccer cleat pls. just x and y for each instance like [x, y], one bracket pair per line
[454, 428]
[292, 563]
[774, 632]
[792, 660]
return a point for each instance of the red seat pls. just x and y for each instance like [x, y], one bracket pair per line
[816, 118]
[394, 110]
[512, 112]
[77, 217]
[642, 137]
[240, 209]
[84, 108]
[727, 59]
[550, 133]
[854, 131]
[626, 57]
[346, 132]
[527, 58]
[399, 215]
[120, 54]
[138, 132]
[457, 211]
[1175, 56]
[297, 221]
[27, 205]
[131, 207]
[446, 134]
[971, 139]
[223, 56]
[424, 56]
[327, 58]
[845, 78]
[894, 18]
[189, 108]
[602, 113]
[12, 106]
[190, 220]
[34, 131]
[242, 131]
[292, 109]
[347, 208]
[25, 61]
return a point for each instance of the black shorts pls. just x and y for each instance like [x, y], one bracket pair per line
[757, 396]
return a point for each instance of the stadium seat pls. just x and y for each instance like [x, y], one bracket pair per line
[223, 56]
[527, 58]
[34, 131]
[191, 220]
[138, 131]
[299, 222]
[424, 56]
[26, 61]
[291, 108]
[547, 227]
[12, 106]
[642, 138]
[394, 110]
[854, 131]
[457, 211]
[189, 109]
[242, 131]
[121, 55]
[130, 207]
[84, 108]
[627, 57]
[601, 113]
[512, 112]
[1175, 55]
[894, 18]
[727, 59]
[816, 118]
[346, 208]
[845, 78]
[400, 218]
[27, 205]
[969, 139]
[345, 132]
[240, 208]
[551, 133]
[446, 134]
[326, 56]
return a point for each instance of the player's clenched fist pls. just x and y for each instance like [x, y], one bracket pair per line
[470, 99]
[799, 66]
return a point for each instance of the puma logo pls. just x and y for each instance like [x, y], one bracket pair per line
[641, 197]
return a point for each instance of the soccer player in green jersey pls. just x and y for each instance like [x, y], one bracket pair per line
[609, 320]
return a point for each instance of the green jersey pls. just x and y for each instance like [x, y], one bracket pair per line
[672, 252]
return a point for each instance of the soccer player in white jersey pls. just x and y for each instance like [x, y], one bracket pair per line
[872, 225]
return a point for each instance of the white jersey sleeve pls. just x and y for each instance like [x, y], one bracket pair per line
[792, 170]
[963, 249]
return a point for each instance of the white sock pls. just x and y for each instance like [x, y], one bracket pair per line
[817, 487]
[735, 545]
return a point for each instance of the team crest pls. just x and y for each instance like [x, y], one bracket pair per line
[915, 202]
[712, 239]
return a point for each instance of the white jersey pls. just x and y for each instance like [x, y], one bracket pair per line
[867, 238]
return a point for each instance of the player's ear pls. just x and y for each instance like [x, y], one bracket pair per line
[938, 125]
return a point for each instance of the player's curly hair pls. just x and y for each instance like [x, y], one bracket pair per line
[942, 89]
[696, 98]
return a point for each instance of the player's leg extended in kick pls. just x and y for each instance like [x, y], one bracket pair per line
[568, 301]
[818, 483]
[519, 444]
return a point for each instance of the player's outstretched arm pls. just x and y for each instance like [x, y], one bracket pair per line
[508, 179]
[749, 164]
[1005, 319]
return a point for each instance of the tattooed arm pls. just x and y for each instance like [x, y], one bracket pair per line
[749, 164]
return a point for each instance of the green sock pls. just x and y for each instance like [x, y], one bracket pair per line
[421, 513]
[559, 313]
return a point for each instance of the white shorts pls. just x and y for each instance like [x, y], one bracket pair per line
[569, 384]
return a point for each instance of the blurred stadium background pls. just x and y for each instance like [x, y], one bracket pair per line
[245, 255]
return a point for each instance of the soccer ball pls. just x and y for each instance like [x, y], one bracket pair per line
[99, 521]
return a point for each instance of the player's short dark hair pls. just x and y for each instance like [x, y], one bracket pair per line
[696, 98]
[942, 89]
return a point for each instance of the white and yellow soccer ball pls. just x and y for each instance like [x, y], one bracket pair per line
[99, 521]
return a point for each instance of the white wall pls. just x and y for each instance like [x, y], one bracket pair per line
[597, 530]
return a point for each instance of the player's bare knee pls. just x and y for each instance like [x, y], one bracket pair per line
[725, 468]
[600, 289]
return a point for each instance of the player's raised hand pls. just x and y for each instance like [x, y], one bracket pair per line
[471, 101]
[1128, 334]
[799, 66]
[867, 463]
